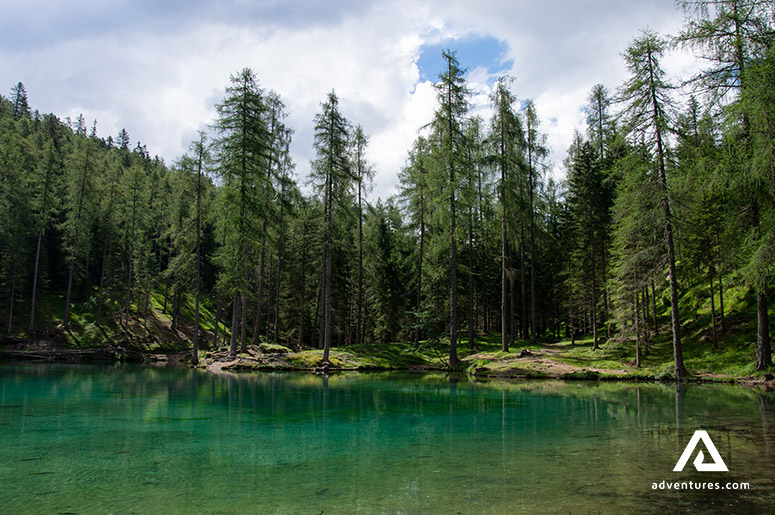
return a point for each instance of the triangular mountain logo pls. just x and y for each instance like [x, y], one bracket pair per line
[717, 465]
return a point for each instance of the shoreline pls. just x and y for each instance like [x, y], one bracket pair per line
[533, 365]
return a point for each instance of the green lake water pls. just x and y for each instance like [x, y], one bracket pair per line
[92, 439]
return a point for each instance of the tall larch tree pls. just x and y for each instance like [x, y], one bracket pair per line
[333, 176]
[506, 145]
[648, 111]
[364, 174]
[448, 125]
[243, 146]
[535, 150]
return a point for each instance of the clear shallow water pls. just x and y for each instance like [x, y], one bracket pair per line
[87, 439]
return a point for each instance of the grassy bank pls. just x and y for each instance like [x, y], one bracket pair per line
[151, 338]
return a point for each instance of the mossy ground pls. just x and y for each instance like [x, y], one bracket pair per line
[731, 358]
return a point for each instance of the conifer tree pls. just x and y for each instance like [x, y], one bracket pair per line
[333, 177]
[50, 170]
[243, 152]
[535, 148]
[414, 196]
[507, 142]
[452, 95]
[78, 208]
[648, 107]
[21, 107]
[735, 38]
[364, 174]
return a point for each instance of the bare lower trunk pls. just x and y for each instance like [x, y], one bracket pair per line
[35, 283]
[645, 320]
[244, 327]
[637, 331]
[523, 285]
[721, 301]
[359, 319]
[654, 306]
[175, 309]
[217, 320]
[594, 297]
[234, 327]
[453, 359]
[763, 350]
[510, 322]
[66, 321]
[471, 329]
[303, 289]
[257, 319]
[13, 294]
[504, 312]
[419, 273]
[277, 303]
[145, 312]
[712, 306]
[102, 280]
[678, 361]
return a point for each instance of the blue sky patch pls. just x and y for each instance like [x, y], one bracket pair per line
[472, 52]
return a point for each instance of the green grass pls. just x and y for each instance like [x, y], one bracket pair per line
[733, 357]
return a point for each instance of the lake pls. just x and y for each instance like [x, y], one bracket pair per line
[127, 439]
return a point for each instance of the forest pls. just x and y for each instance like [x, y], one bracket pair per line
[669, 189]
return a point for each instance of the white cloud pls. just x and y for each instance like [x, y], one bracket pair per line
[157, 70]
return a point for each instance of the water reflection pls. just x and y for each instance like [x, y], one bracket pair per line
[121, 439]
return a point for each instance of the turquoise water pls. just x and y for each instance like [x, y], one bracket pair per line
[90, 439]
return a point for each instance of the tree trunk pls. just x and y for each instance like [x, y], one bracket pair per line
[453, 359]
[244, 326]
[66, 322]
[35, 282]
[71, 265]
[195, 349]
[175, 310]
[504, 314]
[510, 323]
[572, 320]
[531, 186]
[259, 300]
[712, 305]
[645, 321]
[721, 299]
[145, 312]
[594, 295]
[234, 326]
[359, 319]
[763, 350]
[523, 282]
[102, 280]
[419, 272]
[320, 302]
[637, 331]
[679, 368]
[654, 306]
[217, 320]
[277, 289]
[482, 270]
[471, 329]
[13, 295]
[131, 261]
[303, 287]
[328, 264]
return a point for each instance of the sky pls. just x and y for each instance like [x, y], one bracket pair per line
[157, 68]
